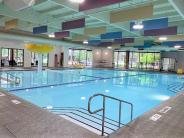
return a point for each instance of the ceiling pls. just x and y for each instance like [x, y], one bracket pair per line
[54, 12]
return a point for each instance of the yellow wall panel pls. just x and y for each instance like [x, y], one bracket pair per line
[80, 38]
[12, 24]
[95, 31]
[132, 14]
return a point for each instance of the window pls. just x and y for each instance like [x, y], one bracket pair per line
[45, 58]
[34, 59]
[144, 60]
[89, 58]
[12, 57]
[137, 60]
[134, 60]
[80, 56]
[18, 57]
[119, 59]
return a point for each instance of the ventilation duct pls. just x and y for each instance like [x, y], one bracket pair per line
[18, 5]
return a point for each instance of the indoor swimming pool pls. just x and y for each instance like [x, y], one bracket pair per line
[66, 92]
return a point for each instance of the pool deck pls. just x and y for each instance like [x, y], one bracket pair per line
[26, 120]
[169, 125]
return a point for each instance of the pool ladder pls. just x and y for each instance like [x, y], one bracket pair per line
[104, 108]
[11, 78]
[93, 119]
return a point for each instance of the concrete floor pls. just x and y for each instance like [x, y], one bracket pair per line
[26, 120]
[169, 125]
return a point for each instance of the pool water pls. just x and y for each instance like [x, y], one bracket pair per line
[73, 88]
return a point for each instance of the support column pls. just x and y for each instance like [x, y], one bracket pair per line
[127, 59]
[65, 58]
[27, 59]
[40, 62]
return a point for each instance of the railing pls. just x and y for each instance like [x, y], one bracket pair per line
[104, 107]
[83, 116]
[9, 78]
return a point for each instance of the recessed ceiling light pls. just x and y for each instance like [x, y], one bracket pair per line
[109, 47]
[85, 42]
[51, 35]
[77, 1]
[138, 25]
[177, 46]
[163, 38]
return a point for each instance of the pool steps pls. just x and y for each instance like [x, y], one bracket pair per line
[82, 115]
[176, 87]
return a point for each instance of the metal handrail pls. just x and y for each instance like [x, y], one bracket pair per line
[16, 79]
[103, 108]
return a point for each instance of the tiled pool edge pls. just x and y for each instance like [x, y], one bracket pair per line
[169, 125]
[27, 120]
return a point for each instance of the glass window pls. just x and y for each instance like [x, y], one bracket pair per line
[45, 58]
[34, 59]
[134, 60]
[145, 60]
[116, 53]
[157, 61]
[70, 57]
[76, 57]
[12, 57]
[18, 56]
[80, 56]
[89, 58]
[120, 59]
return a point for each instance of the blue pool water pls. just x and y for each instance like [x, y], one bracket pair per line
[72, 88]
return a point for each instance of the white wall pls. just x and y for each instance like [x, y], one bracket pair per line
[102, 57]
[27, 54]
[58, 50]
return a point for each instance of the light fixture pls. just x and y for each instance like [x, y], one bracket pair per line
[77, 1]
[138, 26]
[109, 47]
[85, 42]
[51, 35]
[177, 46]
[106, 53]
[97, 53]
[163, 38]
